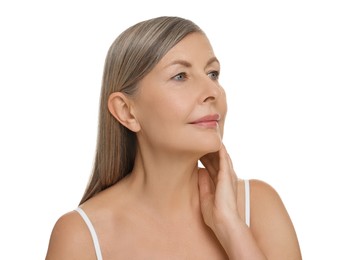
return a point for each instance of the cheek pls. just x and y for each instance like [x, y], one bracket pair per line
[162, 113]
[171, 107]
[223, 108]
[223, 102]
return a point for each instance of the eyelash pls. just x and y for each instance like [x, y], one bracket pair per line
[177, 77]
[215, 76]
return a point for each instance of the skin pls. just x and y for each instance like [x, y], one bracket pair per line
[168, 208]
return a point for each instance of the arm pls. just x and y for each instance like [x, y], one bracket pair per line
[271, 224]
[218, 190]
[70, 239]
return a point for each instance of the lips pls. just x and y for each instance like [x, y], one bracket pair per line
[207, 121]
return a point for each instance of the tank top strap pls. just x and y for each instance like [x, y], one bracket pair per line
[247, 201]
[92, 232]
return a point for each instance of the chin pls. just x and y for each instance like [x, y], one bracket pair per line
[210, 146]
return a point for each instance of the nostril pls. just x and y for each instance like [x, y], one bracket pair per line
[209, 98]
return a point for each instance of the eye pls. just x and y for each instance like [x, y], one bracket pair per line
[214, 75]
[180, 77]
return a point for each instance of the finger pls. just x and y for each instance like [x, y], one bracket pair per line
[212, 173]
[225, 169]
[206, 184]
[211, 163]
[230, 169]
[226, 176]
[206, 195]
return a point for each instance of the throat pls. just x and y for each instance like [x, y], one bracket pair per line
[166, 191]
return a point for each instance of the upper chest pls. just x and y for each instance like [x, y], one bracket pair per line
[188, 241]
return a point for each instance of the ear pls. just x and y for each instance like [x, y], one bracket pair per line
[120, 107]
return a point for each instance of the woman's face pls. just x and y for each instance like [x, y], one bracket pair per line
[180, 104]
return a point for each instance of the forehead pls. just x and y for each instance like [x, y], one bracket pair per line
[193, 46]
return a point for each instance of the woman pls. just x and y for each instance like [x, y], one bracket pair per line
[162, 109]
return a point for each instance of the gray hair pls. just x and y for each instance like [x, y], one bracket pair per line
[131, 57]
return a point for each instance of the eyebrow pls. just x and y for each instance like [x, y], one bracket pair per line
[188, 64]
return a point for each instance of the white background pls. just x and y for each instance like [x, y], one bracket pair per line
[283, 67]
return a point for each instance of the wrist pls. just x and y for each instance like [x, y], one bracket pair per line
[229, 224]
[236, 239]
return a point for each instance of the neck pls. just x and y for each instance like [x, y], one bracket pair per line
[166, 182]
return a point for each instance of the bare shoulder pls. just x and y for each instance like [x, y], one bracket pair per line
[271, 224]
[70, 239]
[264, 192]
[266, 206]
[266, 202]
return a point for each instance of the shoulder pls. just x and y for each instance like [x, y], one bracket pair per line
[270, 222]
[265, 201]
[266, 205]
[263, 192]
[70, 239]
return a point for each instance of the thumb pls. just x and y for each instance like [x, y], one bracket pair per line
[206, 186]
[206, 195]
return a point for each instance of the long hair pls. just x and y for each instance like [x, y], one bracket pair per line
[130, 58]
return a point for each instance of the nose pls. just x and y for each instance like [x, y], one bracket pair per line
[210, 91]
